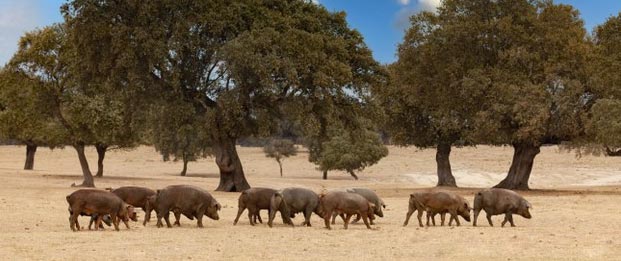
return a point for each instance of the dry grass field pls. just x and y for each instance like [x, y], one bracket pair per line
[576, 212]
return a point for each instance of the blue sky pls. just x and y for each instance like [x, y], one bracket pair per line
[381, 22]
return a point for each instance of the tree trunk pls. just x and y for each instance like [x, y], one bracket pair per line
[280, 165]
[521, 167]
[351, 172]
[325, 174]
[232, 178]
[31, 149]
[185, 165]
[101, 154]
[86, 172]
[445, 175]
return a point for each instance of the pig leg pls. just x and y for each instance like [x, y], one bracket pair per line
[334, 218]
[408, 215]
[240, 210]
[326, 219]
[347, 218]
[511, 220]
[366, 222]
[115, 220]
[453, 217]
[251, 217]
[258, 216]
[476, 216]
[73, 221]
[91, 221]
[358, 217]
[167, 219]
[177, 218]
[442, 218]
[508, 217]
[489, 219]
[199, 218]
[77, 224]
[419, 215]
[307, 215]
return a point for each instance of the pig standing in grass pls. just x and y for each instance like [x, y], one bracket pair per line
[101, 203]
[498, 201]
[291, 201]
[254, 199]
[347, 203]
[438, 203]
[137, 197]
[188, 200]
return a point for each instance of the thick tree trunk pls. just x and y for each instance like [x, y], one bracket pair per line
[325, 174]
[232, 178]
[101, 154]
[185, 165]
[445, 175]
[613, 153]
[31, 149]
[86, 172]
[351, 172]
[521, 167]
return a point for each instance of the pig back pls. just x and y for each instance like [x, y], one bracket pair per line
[186, 198]
[298, 199]
[135, 196]
[92, 201]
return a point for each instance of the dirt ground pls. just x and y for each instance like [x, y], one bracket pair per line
[576, 212]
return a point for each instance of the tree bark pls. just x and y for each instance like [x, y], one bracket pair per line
[86, 172]
[445, 174]
[232, 178]
[351, 172]
[325, 174]
[613, 153]
[101, 154]
[523, 158]
[31, 149]
[279, 165]
[185, 165]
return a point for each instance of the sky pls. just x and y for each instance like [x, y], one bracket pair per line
[381, 22]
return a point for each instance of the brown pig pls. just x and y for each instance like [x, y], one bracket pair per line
[137, 197]
[438, 203]
[254, 199]
[188, 200]
[101, 203]
[347, 203]
[498, 201]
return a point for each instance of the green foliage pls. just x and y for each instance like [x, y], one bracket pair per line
[178, 131]
[352, 151]
[279, 149]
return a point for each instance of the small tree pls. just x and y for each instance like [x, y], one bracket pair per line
[352, 152]
[279, 149]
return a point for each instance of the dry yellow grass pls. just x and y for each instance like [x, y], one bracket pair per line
[576, 212]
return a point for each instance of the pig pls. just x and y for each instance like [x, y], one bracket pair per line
[290, 201]
[137, 197]
[191, 201]
[106, 219]
[372, 197]
[437, 203]
[346, 203]
[99, 202]
[254, 199]
[498, 201]
[152, 205]
[447, 202]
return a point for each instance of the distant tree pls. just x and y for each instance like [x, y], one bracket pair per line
[24, 114]
[604, 123]
[235, 60]
[352, 152]
[280, 149]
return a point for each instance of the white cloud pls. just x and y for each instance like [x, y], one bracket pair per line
[16, 18]
[429, 5]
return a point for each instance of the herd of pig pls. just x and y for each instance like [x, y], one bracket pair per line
[111, 206]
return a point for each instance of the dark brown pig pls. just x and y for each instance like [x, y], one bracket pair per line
[291, 201]
[137, 197]
[498, 201]
[347, 203]
[372, 197]
[101, 203]
[188, 200]
[438, 203]
[254, 199]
